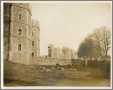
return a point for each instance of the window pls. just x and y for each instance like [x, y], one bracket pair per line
[32, 54]
[19, 31]
[19, 47]
[32, 43]
[20, 16]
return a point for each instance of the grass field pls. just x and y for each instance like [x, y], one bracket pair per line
[55, 77]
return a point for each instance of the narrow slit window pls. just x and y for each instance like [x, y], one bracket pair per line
[32, 54]
[19, 31]
[32, 43]
[19, 47]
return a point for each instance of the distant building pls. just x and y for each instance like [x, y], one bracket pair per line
[66, 53]
[61, 53]
[51, 51]
[20, 34]
[74, 54]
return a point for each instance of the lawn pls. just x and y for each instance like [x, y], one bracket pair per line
[63, 77]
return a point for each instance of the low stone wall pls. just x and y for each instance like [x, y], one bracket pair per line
[52, 61]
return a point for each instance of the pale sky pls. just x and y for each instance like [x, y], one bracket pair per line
[67, 24]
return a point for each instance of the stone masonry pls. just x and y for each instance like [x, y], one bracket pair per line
[21, 35]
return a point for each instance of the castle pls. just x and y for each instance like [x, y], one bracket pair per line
[22, 41]
[21, 34]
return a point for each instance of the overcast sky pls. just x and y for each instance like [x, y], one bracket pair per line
[67, 24]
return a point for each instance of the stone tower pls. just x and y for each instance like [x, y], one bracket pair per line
[35, 38]
[19, 41]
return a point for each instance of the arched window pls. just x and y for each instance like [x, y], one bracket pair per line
[32, 54]
[19, 47]
[19, 31]
[33, 43]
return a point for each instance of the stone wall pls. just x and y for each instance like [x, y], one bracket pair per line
[51, 61]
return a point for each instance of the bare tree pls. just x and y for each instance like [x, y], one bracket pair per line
[102, 37]
[96, 44]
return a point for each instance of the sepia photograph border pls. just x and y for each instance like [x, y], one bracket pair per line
[43, 87]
